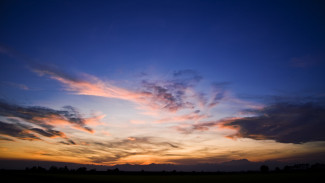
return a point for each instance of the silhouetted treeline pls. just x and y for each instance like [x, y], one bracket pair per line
[83, 170]
[65, 169]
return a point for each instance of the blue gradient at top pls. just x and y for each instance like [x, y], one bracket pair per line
[261, 47]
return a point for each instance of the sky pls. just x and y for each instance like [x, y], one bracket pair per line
[165, 82]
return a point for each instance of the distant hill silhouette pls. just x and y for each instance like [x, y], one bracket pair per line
[229, 166]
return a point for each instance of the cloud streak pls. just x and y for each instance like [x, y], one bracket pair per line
[19, 131]
[33, 122]
[282, 122]
[89, 86]
[45, 117]
[172, 95]
[120, 150]
[48, 133]
[27, 132]
[201, 126]
[195, 116]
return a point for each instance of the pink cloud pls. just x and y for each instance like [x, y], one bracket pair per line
[183, 118]
[154, 97]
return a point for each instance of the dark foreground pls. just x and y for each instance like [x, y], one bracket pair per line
[143, 178]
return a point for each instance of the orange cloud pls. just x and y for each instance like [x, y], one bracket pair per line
[132, 138]
[94, 121]
[55, 120]
[223, 124]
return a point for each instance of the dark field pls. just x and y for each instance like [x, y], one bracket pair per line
[220, 178]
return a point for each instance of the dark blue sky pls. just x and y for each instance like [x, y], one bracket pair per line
[252, 44]
[236, 56]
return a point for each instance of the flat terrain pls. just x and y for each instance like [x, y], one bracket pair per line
[218, 178]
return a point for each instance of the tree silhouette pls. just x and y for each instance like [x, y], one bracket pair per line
[264, 169]
[277, 169]
[64, 169]
[53, 169]
[81, 170]
[116, 170]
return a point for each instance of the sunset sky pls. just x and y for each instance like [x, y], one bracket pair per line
[165, 82]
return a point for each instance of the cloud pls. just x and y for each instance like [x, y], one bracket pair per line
[68, 142]
[17, 131]
[167, 95]
[195, 116]
[89, 85]
[5, 138]
[201, 126]
[45, 117]
[121, 150]
[27, 132]
[48, 133]
[135, 142]
[34, 122]
[219, 93]
[118, 149]
[173, 94]
[103, 159]
[282, 122]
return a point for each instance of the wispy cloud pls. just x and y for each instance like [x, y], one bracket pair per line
[174, 94]
[5, 138]
[48, 133]
[27, 132]
[201, 125]
[195, 116]
[282, 122]
[19, 131]
[68, 142]
[219, 93]
[118, 150]
[45, 117]
[90, 85]
[169, 96]
[34, 122]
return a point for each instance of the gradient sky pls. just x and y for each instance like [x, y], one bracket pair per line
[180, 82]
